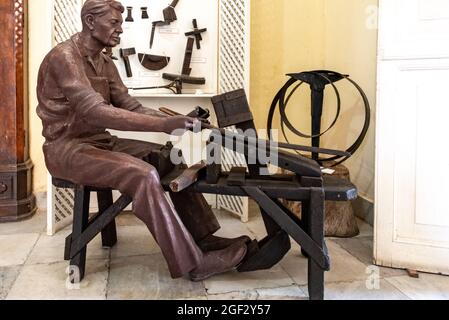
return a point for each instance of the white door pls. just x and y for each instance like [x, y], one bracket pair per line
[412, 176]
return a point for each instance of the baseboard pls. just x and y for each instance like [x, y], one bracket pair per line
[364, 209]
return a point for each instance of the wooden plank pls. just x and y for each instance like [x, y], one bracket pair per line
[316, 231]
[78, 242]
[108, 234]
[187, 177]
[290, 190]
[80, 222]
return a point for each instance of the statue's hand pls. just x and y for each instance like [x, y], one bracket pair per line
[177, 125]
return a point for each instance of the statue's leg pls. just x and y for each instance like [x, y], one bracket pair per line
[192, 208]
[138, 179]
[196, 214]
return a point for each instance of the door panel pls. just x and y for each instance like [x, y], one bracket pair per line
[418, 29]
[412, 156]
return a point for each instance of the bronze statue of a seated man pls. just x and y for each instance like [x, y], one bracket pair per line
[80, 96]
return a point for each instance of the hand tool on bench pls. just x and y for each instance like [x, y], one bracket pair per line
[125, 54]
[187, 177]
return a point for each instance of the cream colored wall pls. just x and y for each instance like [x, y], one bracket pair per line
[299, 35]
[282, 41]
[39, 20]
[351, 48]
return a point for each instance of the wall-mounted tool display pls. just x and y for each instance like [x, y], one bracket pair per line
[185, 77]
[125, 54]
[129, 17]
[177, 80]
[170, 64]
[153, 62]
[144, 12]
[196, 33]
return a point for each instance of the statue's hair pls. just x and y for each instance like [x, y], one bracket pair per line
[100, 7]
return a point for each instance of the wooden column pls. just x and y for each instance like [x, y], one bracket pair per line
[16, 199]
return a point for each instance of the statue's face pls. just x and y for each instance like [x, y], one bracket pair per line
[108, 28]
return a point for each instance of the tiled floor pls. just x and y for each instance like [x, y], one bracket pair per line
[32, 267]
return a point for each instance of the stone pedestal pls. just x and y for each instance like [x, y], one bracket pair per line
[16, 199]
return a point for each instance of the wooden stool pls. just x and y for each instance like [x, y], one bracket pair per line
[340, 220]
[85, 229]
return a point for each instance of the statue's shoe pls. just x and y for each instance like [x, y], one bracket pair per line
[219, 261]
[212, 243]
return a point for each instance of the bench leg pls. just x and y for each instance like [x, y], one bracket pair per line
[80, 222]
[305, 222]
[109, 233]
[316, 229]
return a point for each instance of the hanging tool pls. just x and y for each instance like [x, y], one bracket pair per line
[169, 16]
[174, 86]
[153, 62]
[125, 53]
[144, 12]
[169, 12]
[196, 33]
[185, 77]
[153, 30]
[129, 18]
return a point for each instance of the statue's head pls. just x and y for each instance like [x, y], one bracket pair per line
[102, 19]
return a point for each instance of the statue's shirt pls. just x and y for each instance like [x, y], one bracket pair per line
[70, 85]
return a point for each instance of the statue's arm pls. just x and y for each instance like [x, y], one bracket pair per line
[90, 105]
[122, 99]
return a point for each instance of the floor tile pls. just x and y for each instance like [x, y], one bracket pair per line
[427, 287]
[231, 226]
[50, 249]
[50, 282]
[257, 228]
[134, 241]
[365, 229]
[358, 290]
[235, 281]
[128, 219]
[286, 293]
[235, 295]
[362, 249]
[7, 277]
[344, 267]
[15, 248]
[147, 277]
[35, 224]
